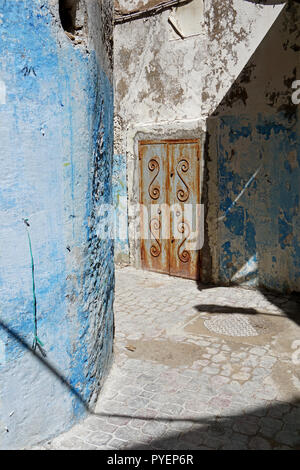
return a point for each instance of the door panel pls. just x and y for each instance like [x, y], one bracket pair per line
[183, 196]
[169, 189]
[154, 192]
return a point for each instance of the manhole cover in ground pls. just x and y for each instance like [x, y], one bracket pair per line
[236, 325]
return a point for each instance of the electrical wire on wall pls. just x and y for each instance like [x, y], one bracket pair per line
[122, 17]
[37, 343]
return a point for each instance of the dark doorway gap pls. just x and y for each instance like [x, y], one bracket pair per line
[67, 13]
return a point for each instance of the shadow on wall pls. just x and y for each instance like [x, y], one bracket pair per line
[47, 364]
[253, 141]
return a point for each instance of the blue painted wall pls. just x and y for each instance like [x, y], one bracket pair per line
[259, 202]
[256, 131]
[120, 207]
[56, 133]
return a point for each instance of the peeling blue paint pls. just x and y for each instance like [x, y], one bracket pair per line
[266, 218]
[56, 131]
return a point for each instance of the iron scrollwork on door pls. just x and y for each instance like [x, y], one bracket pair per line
[184, 255]
[169, 187]
[183, 167]
[154, 190]
[154, 226]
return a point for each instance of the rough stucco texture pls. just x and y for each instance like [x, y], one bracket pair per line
[56, 126]
[120, 205]
[256, 131]
[236, 78]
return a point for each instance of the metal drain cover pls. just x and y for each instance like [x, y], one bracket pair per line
[235, 325]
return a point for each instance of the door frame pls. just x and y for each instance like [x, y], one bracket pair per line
[157, 132]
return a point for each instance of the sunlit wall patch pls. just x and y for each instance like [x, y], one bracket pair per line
[2, 92]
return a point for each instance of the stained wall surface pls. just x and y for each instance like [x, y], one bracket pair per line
[232, 83]
[119, 185]
[253, 150]
[56, 132]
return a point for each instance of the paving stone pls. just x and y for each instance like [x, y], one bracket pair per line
[236, 442]
[259, 371]
[117, 444]
[279, 409]
[258, 351]
[137, 423]
[129, 433]
[288, 437]
[74, 443]
[219, 358]
[171, 409]
[180, 426]
[147, 413]
[258, 443]
[270, 426]
[170, 443]
[153, 387]
[96, 424]
[257, 411]
[248, 425]
[98, 438]
[137, 402]
[220, 395]
[215, 442]
[220, 402]
[119, 420]
[241, 376]
[212, 370]
[267, 361]
[154, 428]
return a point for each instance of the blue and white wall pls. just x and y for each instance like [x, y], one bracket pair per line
[227, 80]
[119, 188]
[56, 134]
[254, 162]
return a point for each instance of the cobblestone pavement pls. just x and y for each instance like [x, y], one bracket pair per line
[216, 368]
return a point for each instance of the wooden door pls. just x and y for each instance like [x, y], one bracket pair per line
[169, 194]
[154, 193]
[183, 199]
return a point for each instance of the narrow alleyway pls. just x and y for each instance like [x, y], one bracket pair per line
[216, 368]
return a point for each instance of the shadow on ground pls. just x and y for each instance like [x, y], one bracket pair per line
[288, 304]
[276, 427]
[272, 427]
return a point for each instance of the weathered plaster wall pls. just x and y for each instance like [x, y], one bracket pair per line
[151, 86]
[151, 72]
[120, 207]
[161, 79]
[123, 7]
[163, 84]
[120, 196]
[253, 150]
[56, 165]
